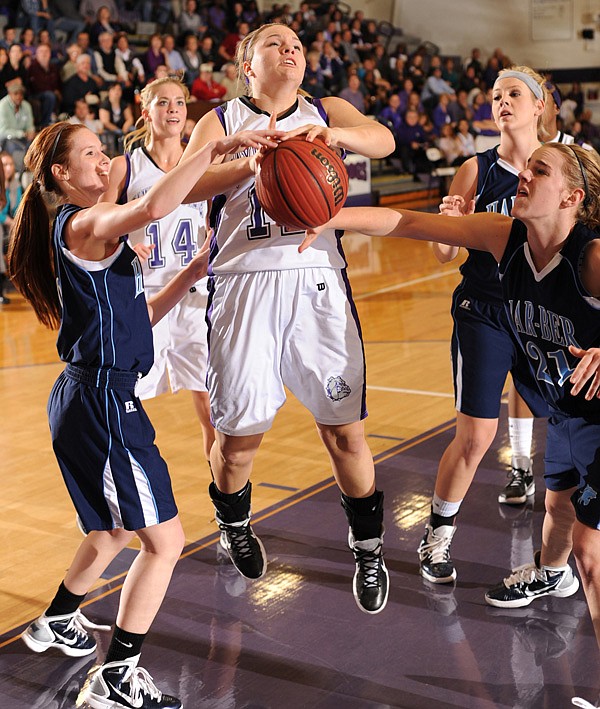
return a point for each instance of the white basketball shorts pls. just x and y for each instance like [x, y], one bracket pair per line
[273, 329]
[180, 347]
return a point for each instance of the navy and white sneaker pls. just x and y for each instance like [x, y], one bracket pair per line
[124, 685]
[68, 633]
[531, 581]
[434, 554]
[371, 583]
[244, 548]
[520, 486]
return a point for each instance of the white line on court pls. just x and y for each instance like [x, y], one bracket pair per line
[418, 392]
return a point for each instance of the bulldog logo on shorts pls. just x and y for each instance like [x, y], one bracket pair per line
[587, 495]
[337, 389]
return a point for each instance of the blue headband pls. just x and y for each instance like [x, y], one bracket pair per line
[531, 83]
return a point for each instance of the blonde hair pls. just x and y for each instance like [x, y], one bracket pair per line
[147, 95]
[541, 82]
[581, 170]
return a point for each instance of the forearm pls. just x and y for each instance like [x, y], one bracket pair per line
[371, 140]
[443, 252]
[160, 304]
[220, 178]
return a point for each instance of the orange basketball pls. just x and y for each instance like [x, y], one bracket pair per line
[301, 184]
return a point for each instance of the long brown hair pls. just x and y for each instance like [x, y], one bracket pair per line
[581, 169]
[30, 257]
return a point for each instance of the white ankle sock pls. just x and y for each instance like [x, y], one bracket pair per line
[520, 433]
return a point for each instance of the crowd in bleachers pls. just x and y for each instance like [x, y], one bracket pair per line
[87, 60]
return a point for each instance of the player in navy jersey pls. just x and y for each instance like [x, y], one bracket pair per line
[269, 341]
[103, 441]
[166, 245]
[483, 348]
[549, 262]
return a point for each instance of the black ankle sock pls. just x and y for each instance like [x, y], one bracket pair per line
[436, 520]
[231, 508]
[228, 499]
[124, 645]
[365, 515]
[64, 602]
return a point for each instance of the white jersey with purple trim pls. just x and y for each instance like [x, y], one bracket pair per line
[176, 237]
[246, 239]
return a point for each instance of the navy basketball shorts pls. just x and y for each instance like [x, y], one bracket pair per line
[104, 444]
[483, 353]
[572, 459]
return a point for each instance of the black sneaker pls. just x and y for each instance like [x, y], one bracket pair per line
[531, 581]
[519, 487]
[68, 633]
[434, 554]
[124, 685]
[244, 548]
[371, 581]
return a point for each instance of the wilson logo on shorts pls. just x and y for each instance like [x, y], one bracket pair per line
[129, 407]
[337, 389]
[320, 286]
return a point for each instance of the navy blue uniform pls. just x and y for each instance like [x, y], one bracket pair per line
[550, 310]
[102, 438]
[483, 348]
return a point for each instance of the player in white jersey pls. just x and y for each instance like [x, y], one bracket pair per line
[279, 319]
[167, 245]
[550, 132]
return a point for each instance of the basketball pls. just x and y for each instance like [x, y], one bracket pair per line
[301, 184]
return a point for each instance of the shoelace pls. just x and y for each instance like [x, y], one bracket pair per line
[240, 540]
[437, 548]
[517, 477]
[369, 562]
[522, 575]
[141, 682]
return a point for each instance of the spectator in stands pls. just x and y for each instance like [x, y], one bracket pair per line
[333, 69]
[468, 80]
[36, 15]
[416, 71]
[230, 42]
[136, 73]
[483, 121]
[434, 87]
[358, 41]
[81, 85]
[3, 63]
[314, 81]
[190, 20]
[217, 20]
[490, 73]
[111, 67]
[350, 54]
[105, 24]
[475, 62]
[9, 36]
[412, 144]
[173, 58]
[205, 88]
[88, 9]
[28, 45]
[17, 128]
[66, 18]
[576, 95]
[353, 93]
[391, 114]
[449, 73]
[459, 108]
[44, 85]
[465, 141]
[116, 116]
[83, 40]
[447, 143]
[69, 67]
[14, 71]
[192, 59]
[440, 115]
[153, 57]
[14, 194]
[231, 81]
[208, 52]
[85, 117]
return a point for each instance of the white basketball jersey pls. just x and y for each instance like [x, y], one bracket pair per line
[246, 239]
[176, 237]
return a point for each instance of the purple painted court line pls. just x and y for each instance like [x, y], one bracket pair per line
[296, 639]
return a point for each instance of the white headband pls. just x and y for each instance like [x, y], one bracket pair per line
[533, 85]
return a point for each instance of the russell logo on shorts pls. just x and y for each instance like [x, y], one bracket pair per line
[337, 389]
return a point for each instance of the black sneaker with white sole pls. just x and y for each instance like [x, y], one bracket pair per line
[371, 583]
[68, 633]
[520, 486]
[434, 554]
[244, 548]
[124, 685]
[531, 581]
